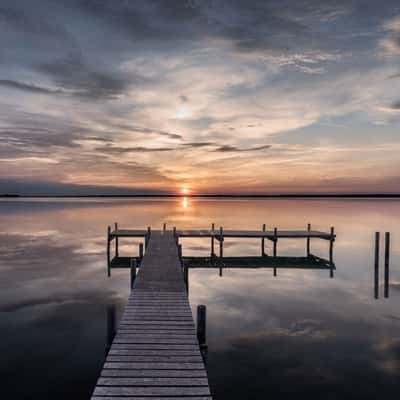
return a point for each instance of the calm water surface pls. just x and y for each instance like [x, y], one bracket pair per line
[299, 333]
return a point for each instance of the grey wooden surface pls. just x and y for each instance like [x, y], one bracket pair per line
[155, 353]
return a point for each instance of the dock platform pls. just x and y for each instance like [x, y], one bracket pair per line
[155, 353]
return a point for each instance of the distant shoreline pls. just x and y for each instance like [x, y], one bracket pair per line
[223, 196]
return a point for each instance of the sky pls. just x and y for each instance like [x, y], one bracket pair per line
[206, 96]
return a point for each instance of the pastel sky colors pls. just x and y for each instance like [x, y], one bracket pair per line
[218, 96]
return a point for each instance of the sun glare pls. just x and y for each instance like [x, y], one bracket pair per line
[185, 190]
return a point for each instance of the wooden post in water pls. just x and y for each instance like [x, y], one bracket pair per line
[147, 237]
[212, 240]
[201, 325]
[133, 272]
[116, 240]
[376, 266]
[186, 276]
[387, 254]
[221, 242]
[140, 251]
[331, 240]
[263, 243]
[108, 251]
[164, 227]
[174, 231]
[180, 251]
[275, 240]
[308, 240]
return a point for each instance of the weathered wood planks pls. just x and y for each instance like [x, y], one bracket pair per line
[155, 354]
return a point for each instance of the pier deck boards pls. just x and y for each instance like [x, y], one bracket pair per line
[155, 353]
[270, 234]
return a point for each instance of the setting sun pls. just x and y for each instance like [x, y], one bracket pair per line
[185, 191]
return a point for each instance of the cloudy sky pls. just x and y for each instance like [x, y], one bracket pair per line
[210, 95]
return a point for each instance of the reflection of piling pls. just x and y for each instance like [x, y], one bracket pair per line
[111, 323]
[275, 240]
[220, 272]
[376, 266]
[108, 251]
[331, 240]
[212, 240]
[308, 240]
[387, 252]
[201, 331]
[164, 227]
[133, 272]
[116, 240]
[275, 271]
[221, 242]
[263, 242]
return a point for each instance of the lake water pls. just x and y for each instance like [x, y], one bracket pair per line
[300, 333]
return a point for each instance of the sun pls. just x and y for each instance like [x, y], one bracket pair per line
[185, 190]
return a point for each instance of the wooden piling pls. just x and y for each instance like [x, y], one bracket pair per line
[108, 251]
[147, 237]
[116, 240]
[180, 251]
[387, 254]
[275, 240]
[376, 266]
[186, 276]
[140, 251]
[263, 242]
[201, 325]
[174, 231]
[164, 227]
[308, 240]
[221, 242]
[212, 240]
[133, 272]
[331, 240]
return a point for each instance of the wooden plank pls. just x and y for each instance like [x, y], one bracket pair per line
[153, 381]
[151, 391]
[154, 373]
[153, 365]
[153, 398]
[129, 352]
[154, 358]
[154, 346]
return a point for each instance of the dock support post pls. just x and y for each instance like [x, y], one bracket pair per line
[376, 266]
[108, 251]
[221, 242]
[308, 240]
[180, 251]
[387, 252]
[140, 251]
[164, 227]
[185, 276]
[116, 240]
[212, 240]
[133, 272]
[263, 242]
[111, 323]
[147, 237]
[275, 240]
[331, 240]
[201, 325]
[174, 231]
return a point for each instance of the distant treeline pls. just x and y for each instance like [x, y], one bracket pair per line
[255, 196]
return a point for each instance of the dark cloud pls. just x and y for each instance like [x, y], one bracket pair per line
[232, 149]
[85, 80]
[137, 149]
[29, 87]
[141, 129]
[396, 105]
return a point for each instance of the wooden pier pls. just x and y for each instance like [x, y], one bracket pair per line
[155, 353]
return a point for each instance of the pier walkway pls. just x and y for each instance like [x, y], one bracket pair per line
[155, 353]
